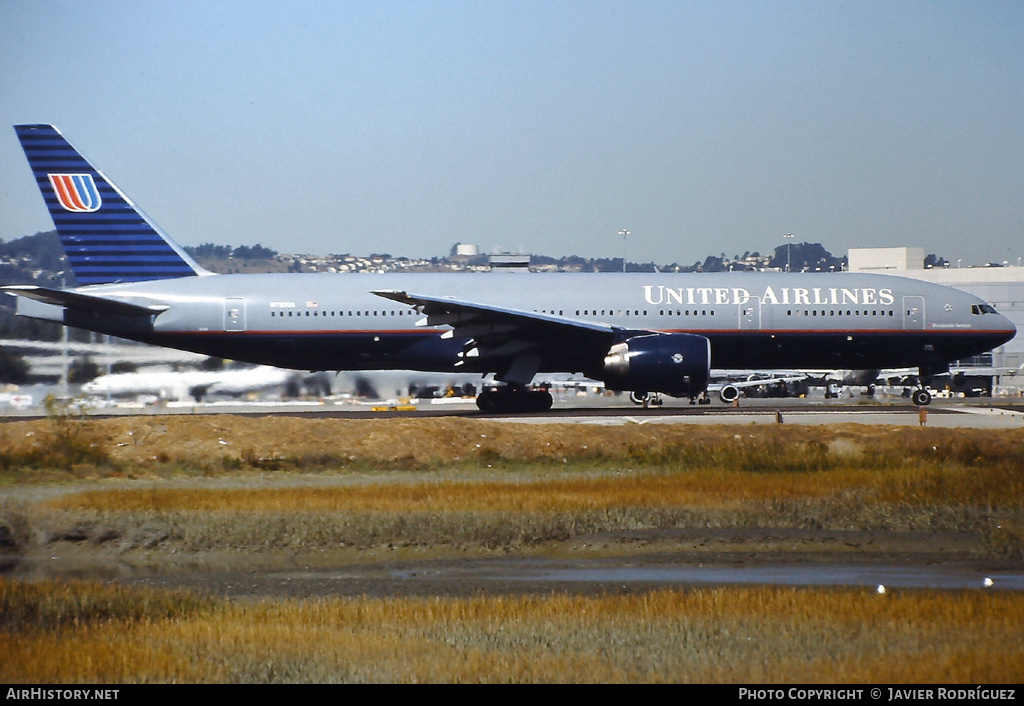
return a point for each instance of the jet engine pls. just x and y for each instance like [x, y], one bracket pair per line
[676, 364]
[729, 394]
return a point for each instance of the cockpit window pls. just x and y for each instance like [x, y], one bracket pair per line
[982, 309]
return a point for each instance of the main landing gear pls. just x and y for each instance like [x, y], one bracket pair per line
[513, 400]
[920, 397]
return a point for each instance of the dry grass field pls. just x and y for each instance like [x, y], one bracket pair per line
[187, 491]
[90, 633]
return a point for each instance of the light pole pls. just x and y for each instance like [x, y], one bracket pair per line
[624, 233]
[789, 251]
[63, 337]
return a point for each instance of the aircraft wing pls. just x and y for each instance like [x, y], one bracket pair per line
[729, 385]
[756, 382]
[498, 332]
[88, 302]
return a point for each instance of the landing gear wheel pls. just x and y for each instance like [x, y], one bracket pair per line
[921, 397]
[506, 400]
[486, 402]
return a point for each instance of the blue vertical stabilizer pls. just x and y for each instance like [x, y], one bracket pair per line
[105, 237]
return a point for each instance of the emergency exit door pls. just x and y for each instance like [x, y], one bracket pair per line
[234, 314]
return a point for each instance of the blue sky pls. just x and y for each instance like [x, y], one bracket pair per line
[406, 126]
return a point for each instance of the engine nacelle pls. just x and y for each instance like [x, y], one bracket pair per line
[729, 394]
[676, 364]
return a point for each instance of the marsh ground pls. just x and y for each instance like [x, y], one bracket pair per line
[447, 550]
[842, 495]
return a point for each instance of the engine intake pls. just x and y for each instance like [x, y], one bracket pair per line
[676, 364]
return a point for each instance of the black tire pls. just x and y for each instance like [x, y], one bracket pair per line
[486, 402]
[508, 402]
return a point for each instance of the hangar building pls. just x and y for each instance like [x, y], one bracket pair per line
[1000, 284]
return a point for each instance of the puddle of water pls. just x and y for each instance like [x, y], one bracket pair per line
[896, 577]
[776, 575]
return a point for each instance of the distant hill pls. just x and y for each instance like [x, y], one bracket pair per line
[226, 259]
[37, 259]
[34, 259]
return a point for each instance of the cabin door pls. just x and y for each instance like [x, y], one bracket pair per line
[750, 315]
[913, 313]
[234, 314]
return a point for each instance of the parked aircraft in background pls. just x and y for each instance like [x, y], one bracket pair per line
[733, 384]
[194, 384]
[645, 333]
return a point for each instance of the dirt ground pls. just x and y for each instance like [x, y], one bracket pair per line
[146, 438]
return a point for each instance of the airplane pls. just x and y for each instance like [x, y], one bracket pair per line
[196, 384]
[636, 332]
[791, 383]
[734, 383]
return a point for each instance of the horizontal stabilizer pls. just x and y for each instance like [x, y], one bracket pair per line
[86, 302]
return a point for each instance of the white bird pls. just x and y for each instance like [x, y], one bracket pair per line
[881, 588]
[988, 582]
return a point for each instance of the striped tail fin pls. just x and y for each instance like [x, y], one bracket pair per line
[105, 237]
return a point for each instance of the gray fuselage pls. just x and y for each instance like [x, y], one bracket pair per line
[753, 320]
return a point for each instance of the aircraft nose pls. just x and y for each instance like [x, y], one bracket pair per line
[1007, 327]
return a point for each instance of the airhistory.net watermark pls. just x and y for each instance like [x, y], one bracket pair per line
[41, 694]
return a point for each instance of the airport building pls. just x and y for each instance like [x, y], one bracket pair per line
[1001, 285]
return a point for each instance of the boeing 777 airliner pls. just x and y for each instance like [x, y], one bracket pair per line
[645, 333]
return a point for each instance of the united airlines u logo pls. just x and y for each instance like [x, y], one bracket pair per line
[76, 192]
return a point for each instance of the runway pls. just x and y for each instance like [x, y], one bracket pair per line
[982, 413]
[953, 415]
